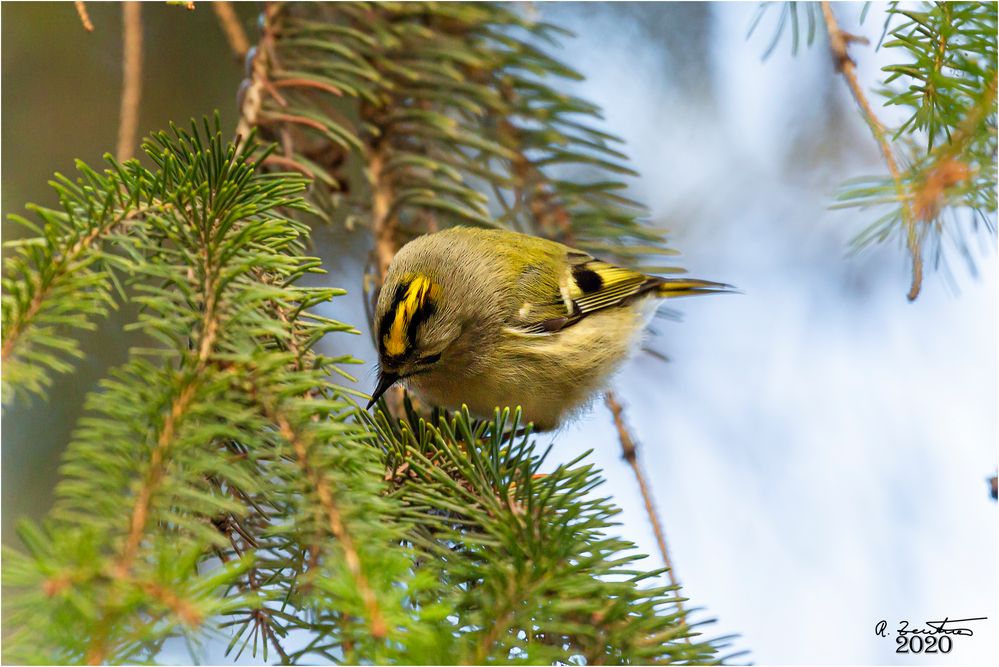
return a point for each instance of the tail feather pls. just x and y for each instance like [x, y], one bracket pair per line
[673, 287]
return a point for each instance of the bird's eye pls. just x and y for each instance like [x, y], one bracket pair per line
[429, 359]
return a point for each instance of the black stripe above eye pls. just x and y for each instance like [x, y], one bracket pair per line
[422, 314]
[588, 280]
[386, 321]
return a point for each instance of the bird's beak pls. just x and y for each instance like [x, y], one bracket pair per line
[385, 380]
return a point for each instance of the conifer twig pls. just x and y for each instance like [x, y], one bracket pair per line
[81, 10]
[946, 169]
[268, 631]
[232, 28]
[253, 97]
[839, 41]
[180, 607]
[131, 88]
[300, 445]
[139, 518]
[629, 452]
[516, 592]
[60, 268]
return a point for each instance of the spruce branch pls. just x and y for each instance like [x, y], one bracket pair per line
[948, 141]
[384, 540]
[839, 41]
[301, 444]
[422, 121]
[530, 548]
[945, 167]
[944, 57]
[220, 253]
[208, 275]
[61, 280]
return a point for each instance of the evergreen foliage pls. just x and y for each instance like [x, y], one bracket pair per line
[944, 75]
[946, 81]
[452, 112]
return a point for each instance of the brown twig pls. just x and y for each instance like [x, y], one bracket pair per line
[629, 452]
[839, 42]
[383, 224]
[81, 10]
[131, 88]
[233, 29]
[253, 97]
[188, 614]
[281, 161]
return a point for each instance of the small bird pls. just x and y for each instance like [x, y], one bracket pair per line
[492, 318]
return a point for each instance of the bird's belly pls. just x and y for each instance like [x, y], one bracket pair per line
[544, 402]
[549, 377]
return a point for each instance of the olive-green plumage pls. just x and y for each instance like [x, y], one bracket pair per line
[492, 318]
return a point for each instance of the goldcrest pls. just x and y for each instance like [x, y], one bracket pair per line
[491, 318]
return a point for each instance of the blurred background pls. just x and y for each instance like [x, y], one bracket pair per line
[818, 447]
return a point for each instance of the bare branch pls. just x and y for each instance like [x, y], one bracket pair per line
[252, 98]
[233, 29]
[131, 88]
[629, 452]
[383, 224]
[81, 10]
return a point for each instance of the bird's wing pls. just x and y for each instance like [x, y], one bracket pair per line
[555, 298]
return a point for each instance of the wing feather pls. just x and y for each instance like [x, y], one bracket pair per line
[586, 285]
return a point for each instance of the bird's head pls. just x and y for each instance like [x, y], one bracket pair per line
[414, 327]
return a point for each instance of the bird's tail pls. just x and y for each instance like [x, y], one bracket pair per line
[671, 287]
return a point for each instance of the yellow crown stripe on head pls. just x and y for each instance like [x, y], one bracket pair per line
[416, 296]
